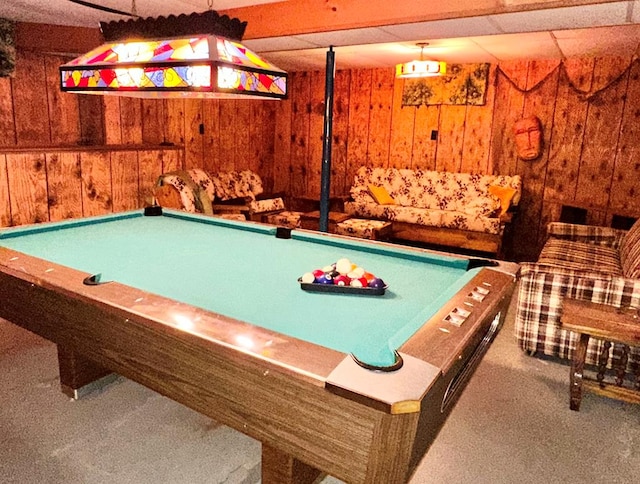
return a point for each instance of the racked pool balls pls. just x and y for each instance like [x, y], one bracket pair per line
[343, 273]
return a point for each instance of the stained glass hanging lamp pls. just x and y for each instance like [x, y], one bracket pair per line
[197, 55]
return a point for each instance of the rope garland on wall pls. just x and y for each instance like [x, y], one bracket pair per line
[575, 85]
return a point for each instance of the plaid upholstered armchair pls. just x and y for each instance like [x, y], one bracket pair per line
[592, 263]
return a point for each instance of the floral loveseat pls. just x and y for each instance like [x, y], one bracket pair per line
[452, 209]
[587, 262]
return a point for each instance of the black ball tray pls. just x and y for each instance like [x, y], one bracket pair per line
[336, 289]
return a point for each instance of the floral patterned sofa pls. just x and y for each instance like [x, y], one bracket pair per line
[443, 208]
[587, 262]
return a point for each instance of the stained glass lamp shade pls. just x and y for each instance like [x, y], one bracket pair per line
[207, 66]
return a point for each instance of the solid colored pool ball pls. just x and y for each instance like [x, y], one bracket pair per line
[368, 276]
[377, 283]
[318, 273]
[341, 280]
[308, 278]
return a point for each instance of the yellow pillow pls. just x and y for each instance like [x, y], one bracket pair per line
[504, 194]
[381, 195]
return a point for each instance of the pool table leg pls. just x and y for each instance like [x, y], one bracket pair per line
[80, 376]
[279, 468]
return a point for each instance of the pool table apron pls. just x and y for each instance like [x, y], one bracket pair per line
[313, 408]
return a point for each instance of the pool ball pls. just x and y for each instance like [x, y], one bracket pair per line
[357, 271]
[377, 283]
[318, 273]
[341, 280]
[360, 282]
[343, 266]
[325, 279]
[308, 278]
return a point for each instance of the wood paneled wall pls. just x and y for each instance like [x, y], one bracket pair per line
[588, 109]
[48, 185]
[589, 160]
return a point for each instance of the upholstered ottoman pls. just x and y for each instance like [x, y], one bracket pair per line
[365, 229]
[285, 218]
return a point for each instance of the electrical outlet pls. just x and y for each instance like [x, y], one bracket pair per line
[434, 134]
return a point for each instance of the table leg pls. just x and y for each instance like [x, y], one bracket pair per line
[622, 364]
[280, 468]
[602, 362]
[78, 375]
[577, 369]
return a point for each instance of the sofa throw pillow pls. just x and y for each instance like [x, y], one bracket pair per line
[630, 252]
[504, 194]
[381, 195]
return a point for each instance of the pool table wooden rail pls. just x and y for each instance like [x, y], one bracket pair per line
[274, 392]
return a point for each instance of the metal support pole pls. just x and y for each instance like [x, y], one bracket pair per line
[325, 180]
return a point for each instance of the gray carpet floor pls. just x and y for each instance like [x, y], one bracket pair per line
[511, 425]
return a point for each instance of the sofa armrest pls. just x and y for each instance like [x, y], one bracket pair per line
[590, 234]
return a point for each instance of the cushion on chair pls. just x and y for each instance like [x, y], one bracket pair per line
[630, 252]
[287, 219]
[580, 256]
[269, 205]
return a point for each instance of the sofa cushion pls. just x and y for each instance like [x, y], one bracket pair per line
[504, 194]
[381, 195]
[580, 256]
[630, 252]
[470, 221]
[237, 184]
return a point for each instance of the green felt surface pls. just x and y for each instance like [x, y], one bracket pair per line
[245, 272]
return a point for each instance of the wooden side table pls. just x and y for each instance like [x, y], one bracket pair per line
[620, 325]
[311, 220]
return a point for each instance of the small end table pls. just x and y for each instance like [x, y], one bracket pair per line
[311, 220]
[611, 324]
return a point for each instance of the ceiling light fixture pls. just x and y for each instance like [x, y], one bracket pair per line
[197, 55]
[421, 68]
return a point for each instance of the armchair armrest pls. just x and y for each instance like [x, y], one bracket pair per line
[598, 287]
[590, 234]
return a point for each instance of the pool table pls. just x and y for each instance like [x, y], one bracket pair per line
[211, 313]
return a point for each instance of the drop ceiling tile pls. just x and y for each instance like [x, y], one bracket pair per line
[349, 37]
[309, 60]
[443, 29]
[621, 40]
[635, 12]
[278, 44]
[515, 46]
[563, 18]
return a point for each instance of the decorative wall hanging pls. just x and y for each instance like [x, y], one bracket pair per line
[528, 134]
[7, 48]
[463, 84]
[573, 70]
